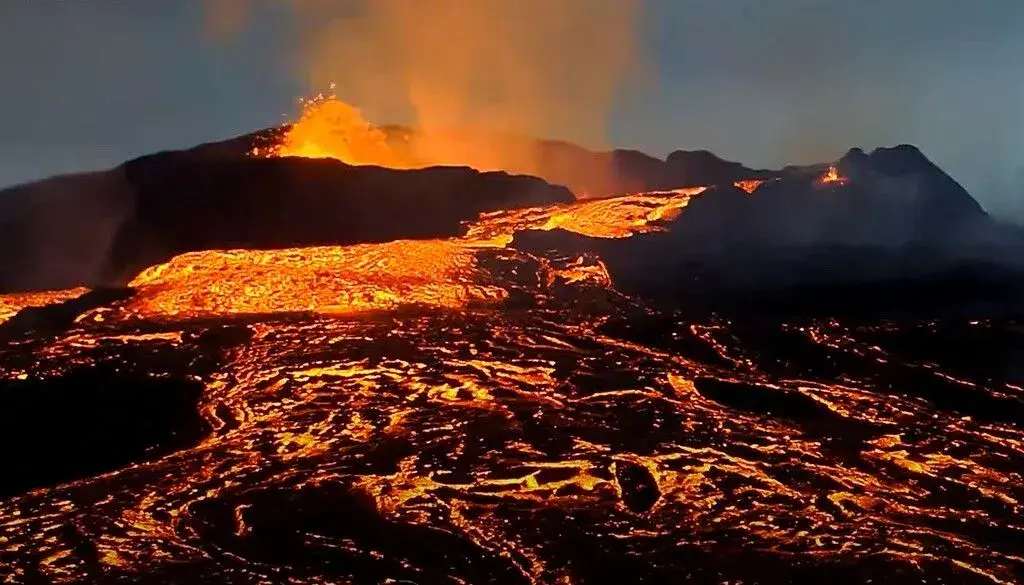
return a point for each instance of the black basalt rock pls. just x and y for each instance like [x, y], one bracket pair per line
[701, 167]
[639, 488]
[155, 207]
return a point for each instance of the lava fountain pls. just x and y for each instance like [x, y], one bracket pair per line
[331, 128]
[833, 177]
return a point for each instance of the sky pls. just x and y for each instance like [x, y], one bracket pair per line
[91, 83]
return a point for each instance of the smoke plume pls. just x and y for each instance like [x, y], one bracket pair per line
[474, 78]
[225, 18]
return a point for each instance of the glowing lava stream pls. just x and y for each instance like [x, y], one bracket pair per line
[507, 433]
[510, 437]
[364, 278]
[348, 280]
[10, 304]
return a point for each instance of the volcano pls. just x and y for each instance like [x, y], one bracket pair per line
[239, 364]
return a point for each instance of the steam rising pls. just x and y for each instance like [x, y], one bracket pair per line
[473, 77]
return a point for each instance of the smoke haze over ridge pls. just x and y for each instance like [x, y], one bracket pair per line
[491, 68]
[763, 83]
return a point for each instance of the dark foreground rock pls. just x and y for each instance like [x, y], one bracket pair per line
[104, 228]
[120, 401]
[896, 233]
[894, 214]
[89, 421]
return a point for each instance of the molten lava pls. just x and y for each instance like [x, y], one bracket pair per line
[342, 280]
[614, 217]
[375, 278]
[10, 304]
[749, 186]
[833, 177]
[330, 128]
[523, 441]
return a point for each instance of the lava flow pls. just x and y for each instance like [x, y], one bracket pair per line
[338, 280]
[460, 411]
[370, 278]
[11, 304]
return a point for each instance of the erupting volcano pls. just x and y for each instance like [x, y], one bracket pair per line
[286, 363]
[833, 177]
[443, 327]
[331, 128]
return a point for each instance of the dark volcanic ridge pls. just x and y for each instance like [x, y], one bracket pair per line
[100, 229]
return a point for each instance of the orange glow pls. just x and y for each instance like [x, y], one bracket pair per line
[493, 68]
[459, 390]
[833, 177]
[371, 278]
[308, 403]
[749, 186]
[330, 128]
[10, 304]
[613, 217]
[331, 279]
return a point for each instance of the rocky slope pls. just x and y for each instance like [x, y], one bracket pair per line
[103, 228]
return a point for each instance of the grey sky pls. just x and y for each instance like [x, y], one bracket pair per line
[90, 83]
